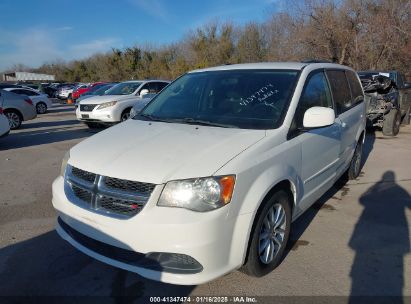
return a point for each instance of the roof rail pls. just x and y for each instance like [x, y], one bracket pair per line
[316, 61]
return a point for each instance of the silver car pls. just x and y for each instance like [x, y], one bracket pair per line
[17, 108]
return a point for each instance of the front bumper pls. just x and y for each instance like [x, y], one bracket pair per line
[213, 239]
[108, 115]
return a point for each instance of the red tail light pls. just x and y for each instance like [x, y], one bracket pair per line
[28, 100]
[1, 110]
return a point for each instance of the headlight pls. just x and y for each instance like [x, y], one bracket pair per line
[64, 163]
[106, 105]
[200, 194]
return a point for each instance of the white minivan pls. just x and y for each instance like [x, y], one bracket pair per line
[208, 177]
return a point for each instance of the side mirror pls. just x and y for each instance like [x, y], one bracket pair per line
[143, 92]
[318, 117]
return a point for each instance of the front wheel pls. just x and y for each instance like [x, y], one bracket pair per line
[125, 115]
[392, 122]
[269, 236]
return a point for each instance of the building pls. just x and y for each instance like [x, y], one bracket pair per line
[26, 76]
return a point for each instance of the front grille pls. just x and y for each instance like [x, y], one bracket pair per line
[119, 206]
[107, 195]
[85, 175]
[87, 107]
[82, 194]
[126, 185]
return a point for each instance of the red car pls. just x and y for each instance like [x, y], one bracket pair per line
[76, 94]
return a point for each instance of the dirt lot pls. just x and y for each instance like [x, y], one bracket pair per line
[354, 241]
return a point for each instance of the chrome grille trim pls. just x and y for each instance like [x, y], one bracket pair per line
[87, 107]
[109, 201]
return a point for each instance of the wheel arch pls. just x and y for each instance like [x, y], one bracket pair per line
[126, 109]
[18, 112]
[285, 184]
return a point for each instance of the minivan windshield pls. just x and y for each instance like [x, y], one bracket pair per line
[124, 88]
[246, 99]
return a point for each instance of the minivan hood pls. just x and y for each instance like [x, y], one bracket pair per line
[156, 152]
[108, 98]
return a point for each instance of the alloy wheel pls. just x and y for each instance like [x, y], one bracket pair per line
[41, 108]
[272, 233]
[14, 120]
[125, 116]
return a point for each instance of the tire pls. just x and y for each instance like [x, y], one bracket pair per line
[261, 241]
[125, 115]
[41, 108]
[355, 165]
[406, 119]
[392, 122]
[15, 119]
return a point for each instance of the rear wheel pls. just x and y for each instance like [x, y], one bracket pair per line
[392, 122]
[41, 108]
[269, 236]
[355, 165]
[14, 118]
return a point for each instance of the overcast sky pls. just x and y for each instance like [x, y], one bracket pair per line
[34, 32]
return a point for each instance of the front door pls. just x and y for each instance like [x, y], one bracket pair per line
[320, 147]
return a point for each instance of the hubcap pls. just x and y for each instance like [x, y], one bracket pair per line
[14, 120]
[41, 108]
[272, 233]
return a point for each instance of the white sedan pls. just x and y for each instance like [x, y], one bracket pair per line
[116, 104]
[40, 100]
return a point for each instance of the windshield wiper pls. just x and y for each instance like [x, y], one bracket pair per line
[189, 120]
[151, 117]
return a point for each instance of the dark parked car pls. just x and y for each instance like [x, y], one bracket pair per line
[8, 85]
[388, 99]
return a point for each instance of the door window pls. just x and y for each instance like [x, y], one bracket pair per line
[340, 90]
[144, 87]
[316, 94]
[356, 89]
[25, 92]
